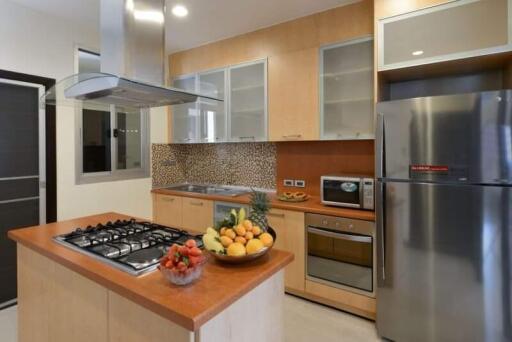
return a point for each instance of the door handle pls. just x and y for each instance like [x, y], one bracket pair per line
[275, 215]
[381, 241]
[292, 136]
[379, 147]
[167, 199]
[340, 236]
[197, 203]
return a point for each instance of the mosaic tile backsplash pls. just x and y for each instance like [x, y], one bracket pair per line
[244, 164]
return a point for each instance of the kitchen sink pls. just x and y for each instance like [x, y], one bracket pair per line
[209, 189]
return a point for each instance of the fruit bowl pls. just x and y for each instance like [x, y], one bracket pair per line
[183, 263]
[245, 258]
[182, 279]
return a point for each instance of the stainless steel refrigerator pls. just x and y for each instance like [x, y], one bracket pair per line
[444, 218]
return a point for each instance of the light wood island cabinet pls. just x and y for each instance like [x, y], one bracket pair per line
[64, 295]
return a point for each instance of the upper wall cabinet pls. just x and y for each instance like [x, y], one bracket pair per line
[248, 102]
[242, 116]
[212, 114]
[458, 29]
[346, 90]
[293, 100]
[185, 116]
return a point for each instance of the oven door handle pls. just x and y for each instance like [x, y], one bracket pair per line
[349, 237]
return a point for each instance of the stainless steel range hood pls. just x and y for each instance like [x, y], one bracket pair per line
[132, 60]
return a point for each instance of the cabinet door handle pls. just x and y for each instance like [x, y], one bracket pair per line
[252, 137]
[292, 136]
[275, 215]
[197, 203]
[167, 199]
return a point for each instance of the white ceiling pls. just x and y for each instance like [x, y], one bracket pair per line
[208, 20]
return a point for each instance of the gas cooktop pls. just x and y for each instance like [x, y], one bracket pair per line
[128, 245]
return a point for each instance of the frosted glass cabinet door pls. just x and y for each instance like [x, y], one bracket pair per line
[185, 116]
[346, 90]
[248, 102]
[212, 114]
[458, 29]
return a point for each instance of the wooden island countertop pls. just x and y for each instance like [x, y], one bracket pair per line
[189, 307]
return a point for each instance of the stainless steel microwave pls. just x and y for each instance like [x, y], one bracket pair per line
[347, 191]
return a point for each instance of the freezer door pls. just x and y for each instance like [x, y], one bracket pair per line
[445, 263]
[463, 138]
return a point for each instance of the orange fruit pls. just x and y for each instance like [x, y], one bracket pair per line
[230, 233]
[248, 236]
[226, 241]
[236, 249]
[247, 225]
[254, 246]
[240, 230]
[256, 230]
[267, 239]
[241, 240]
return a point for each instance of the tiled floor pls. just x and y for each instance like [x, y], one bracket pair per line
[304, 321]
[307, 321]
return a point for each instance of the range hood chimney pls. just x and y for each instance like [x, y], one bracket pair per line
[133, 39]
[132, 60]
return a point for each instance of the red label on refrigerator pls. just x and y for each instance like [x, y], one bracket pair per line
[429, 168]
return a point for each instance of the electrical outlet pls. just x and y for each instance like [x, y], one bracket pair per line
[300, 183]
[288, 182]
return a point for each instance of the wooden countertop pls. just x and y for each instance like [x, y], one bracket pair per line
[312, 205]
[190, 306]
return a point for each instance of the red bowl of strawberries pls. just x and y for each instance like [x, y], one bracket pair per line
[183, 264]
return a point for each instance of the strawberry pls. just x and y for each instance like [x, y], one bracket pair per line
[169, 264]
[194, 260]
[182, 266]
[172, 250]
[190, 243]
[183, 250]
[194, 251]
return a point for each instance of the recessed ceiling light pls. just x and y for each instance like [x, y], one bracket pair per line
[417, 53]
[180, 11]
[154, 16]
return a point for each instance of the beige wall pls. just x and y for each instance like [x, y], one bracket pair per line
[36, 43]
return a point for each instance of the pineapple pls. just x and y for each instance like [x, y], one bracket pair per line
[260, 205]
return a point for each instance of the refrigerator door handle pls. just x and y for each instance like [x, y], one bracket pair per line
[381, 241]
[379, 147]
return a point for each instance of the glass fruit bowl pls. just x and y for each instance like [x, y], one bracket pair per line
[182, 264]
[182, 278]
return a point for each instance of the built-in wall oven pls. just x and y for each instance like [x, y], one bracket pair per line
[340, 252]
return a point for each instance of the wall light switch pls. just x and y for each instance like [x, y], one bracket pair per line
[288, 182]
[300, 183]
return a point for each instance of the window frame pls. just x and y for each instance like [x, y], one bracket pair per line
[114, 174]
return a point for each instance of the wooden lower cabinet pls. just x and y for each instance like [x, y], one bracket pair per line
[290, 230]
[49, 309]
[197, 214]
[168, 210]
[345, 300]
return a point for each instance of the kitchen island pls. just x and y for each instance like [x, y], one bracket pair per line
[64, 295]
